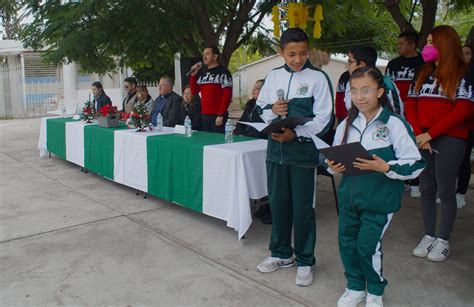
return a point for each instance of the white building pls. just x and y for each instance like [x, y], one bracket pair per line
[246, 75]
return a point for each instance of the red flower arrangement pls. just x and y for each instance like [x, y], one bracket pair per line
[108, 110]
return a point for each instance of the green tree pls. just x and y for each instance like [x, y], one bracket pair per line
[142, 34]
[10, 18]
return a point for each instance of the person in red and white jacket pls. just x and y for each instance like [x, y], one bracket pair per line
[215, 85]
[439, 104]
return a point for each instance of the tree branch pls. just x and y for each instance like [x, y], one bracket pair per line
[393, 7]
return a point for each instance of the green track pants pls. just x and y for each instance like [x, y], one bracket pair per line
[291, 191]
[360, 247]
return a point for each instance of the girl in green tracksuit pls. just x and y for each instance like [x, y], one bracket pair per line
[367, 202]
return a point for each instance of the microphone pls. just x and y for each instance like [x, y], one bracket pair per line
[193, 70]
[281, 97]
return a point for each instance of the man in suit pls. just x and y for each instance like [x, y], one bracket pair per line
[168, 104]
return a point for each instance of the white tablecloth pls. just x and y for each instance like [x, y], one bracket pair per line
[42, 136]
[75, 141]
[232, 175]
[130, 157]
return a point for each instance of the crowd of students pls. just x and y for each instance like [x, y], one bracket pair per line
[416, 120]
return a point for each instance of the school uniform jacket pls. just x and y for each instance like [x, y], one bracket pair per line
[309, 93]
[391, 138]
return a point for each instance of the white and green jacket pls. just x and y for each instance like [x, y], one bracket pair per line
[309, 93]
[391, 138]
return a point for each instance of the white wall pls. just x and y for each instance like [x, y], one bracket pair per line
[246, 76]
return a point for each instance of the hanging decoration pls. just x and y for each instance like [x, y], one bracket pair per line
[296, 15]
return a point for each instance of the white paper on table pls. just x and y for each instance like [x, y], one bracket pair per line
[179, 129]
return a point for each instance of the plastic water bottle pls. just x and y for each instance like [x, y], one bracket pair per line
[159, 122]
[228, 131]
[188, 131]
[63, 111]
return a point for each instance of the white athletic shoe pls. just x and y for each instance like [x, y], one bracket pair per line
[271, 264]
[440, 251]
[415, 192]
[460, 200]
[304, 276]
[424, 247]
[438, 201]
[373, 300]
[351, 298]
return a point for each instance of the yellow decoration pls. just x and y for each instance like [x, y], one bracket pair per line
[293, 14]
[318, 16]
[276, 21]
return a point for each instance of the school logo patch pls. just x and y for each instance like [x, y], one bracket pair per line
[303, 89]
[381, 133]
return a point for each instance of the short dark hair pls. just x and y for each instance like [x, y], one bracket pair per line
[214, 49]
[142, 87]
[98, 85]
[410, 36]
[365, 53]
[293, 35]
[131, 80]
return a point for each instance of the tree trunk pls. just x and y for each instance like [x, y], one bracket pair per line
[429, 17]
[470, 37]
[393, 7]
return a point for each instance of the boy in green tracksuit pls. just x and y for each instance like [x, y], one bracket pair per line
[367, 202]
[291, 154]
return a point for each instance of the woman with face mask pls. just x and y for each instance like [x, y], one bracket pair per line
[439, 104]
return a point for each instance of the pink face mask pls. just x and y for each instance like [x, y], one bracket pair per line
[430, 53]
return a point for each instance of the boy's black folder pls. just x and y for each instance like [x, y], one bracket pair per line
[275, 127]
[347, 154]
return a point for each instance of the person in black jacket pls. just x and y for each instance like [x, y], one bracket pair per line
[191, 107]
[251, 115]
[100, 98]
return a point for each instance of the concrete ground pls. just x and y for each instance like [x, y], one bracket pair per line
[70, 238]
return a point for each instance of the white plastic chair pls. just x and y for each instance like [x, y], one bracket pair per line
[70, 105]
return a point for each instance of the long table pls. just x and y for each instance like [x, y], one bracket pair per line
[201, 173]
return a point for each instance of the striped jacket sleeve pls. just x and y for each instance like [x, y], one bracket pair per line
[409, 163]
[266, 99]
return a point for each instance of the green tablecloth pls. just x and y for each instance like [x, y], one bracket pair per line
[99, 149]
[56, 135]
[175, 166]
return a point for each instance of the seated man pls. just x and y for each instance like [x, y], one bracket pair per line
[130, 86]
[251, 115]
[168, 104]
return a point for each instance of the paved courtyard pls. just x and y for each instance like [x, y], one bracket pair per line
[71, 238]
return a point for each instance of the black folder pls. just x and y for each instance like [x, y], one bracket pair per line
[289, 122]
[347, 154]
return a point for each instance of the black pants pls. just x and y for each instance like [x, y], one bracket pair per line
[465, 170]
[439, 177]
[209, 123]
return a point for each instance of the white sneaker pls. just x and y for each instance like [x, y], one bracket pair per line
[373, 300]
[440, 251]
[460, 200]
[271, 264]
[351, 298]
[304, 276]
[415, 191]
[424, 247]
[438, 201]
